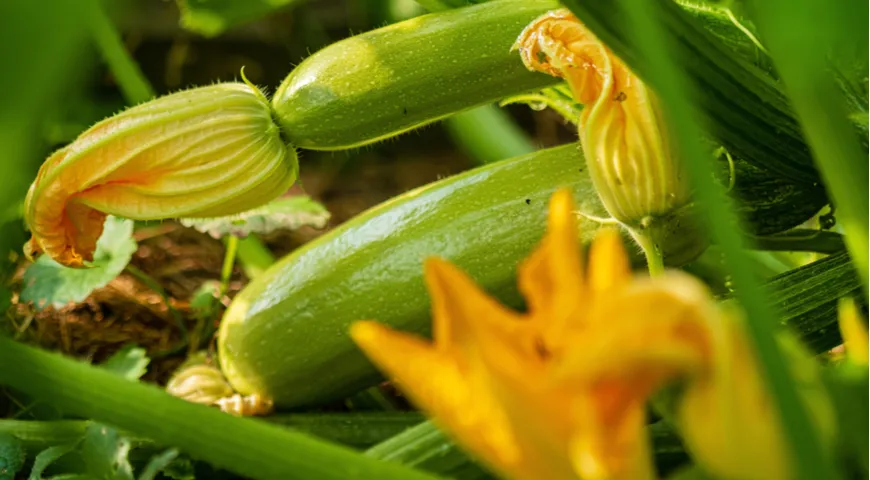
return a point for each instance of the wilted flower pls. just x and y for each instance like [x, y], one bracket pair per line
[560, 392]
[206, 152]
[623, 135]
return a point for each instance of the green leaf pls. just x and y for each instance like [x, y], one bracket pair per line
[12, 456]
[105, 452]
[284, 213]
[47, 457]
[803, 63]
[159, 463]
[131, 362]
[48, 283]
[180, 468]
[212, 17]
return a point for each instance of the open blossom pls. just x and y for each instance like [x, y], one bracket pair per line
[560, 392]
[622, 132]
[206, 152]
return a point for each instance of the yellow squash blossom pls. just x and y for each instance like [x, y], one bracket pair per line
[635, 171]
[206, 152]
[560, 392]
[854, 331]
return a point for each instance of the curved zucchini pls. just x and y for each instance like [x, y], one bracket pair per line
[285, 334]
[397, 78]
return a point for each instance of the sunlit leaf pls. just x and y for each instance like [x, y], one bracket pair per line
[47, 283]
[48, 456]
[105, 452]
[287, 213]
[130, 362]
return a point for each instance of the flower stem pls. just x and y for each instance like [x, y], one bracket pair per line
[232, 243]
[654, 259]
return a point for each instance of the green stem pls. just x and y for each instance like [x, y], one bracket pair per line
[799, 240]
[487, 134]
[232, 244]
[133, 83]
[653, 41]
[254, 257]
[802, 62]
[248, 447]
[654, 260]
[352, 429]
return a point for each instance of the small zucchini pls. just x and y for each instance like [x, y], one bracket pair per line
[285, 335]
[397, 78]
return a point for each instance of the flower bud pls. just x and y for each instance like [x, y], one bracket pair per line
[206, 152]
[200, 383]
[638, 178]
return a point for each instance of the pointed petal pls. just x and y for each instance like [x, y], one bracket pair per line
[457, 398]
[458, 303]
[609, 267]
[551, 279]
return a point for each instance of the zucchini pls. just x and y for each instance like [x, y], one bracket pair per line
[397, 78]
[285, 335]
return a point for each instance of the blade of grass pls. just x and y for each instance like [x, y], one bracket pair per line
[743, 107]
[659, 51]
[248, 447]
[800, 59]
[134, 85]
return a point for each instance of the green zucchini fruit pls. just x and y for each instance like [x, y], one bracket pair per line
[285, 335]
[387, 81]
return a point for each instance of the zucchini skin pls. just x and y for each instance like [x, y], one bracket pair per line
[387, 81]
[285, 334]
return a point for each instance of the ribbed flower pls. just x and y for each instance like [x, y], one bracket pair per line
[206, 152]
[635, 171]
[560, 392]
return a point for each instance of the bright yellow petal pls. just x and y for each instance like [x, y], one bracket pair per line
[854, 332]
[458, 303]
[455, 397]
[551, 279]
[609, 267]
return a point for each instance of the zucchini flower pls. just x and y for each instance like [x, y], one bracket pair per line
[206, 152]
[728, 420]
[560, 392]
[633, 167]
[853, 329]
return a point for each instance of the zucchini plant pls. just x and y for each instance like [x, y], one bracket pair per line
[758, 175]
